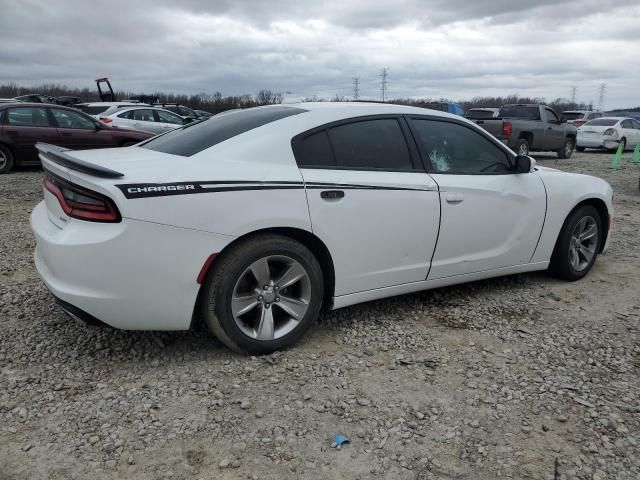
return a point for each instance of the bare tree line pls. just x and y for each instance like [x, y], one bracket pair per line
[216, 102]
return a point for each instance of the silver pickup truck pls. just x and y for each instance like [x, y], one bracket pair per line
[527, 127]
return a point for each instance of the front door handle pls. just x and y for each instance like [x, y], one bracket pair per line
[454, 197]
[332, 194]
[65, 133]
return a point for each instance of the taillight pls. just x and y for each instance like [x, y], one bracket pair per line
[610, 131]
[507, 129]
[577, 123]
[105, 120]
[79, 202]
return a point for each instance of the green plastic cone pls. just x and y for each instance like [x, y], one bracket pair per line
[617, 158]
[636, 154]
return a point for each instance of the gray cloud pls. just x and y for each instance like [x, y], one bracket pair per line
[450, 48]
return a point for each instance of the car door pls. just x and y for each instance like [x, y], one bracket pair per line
[79, 131]
[370, 202]
[554, 133]
[491, 217]
[167, 120]
[24, 127]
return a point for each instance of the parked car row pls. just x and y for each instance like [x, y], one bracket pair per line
[22, 125]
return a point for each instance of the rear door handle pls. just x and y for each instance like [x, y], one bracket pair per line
[455, 197]
[66, 133]
[331, 194]
[12, 132]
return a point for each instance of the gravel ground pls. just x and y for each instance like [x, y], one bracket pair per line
[519, 377]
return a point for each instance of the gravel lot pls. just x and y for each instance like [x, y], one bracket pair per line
[520, 377]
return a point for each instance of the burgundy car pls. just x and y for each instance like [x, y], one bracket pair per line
[22, 125]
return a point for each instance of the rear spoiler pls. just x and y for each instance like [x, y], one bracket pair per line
[56, 155]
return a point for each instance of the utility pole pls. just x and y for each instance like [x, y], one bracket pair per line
[603, 87]
[384, 82]
[356, 87]
[573, 94]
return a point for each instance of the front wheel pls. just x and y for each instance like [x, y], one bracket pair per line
[566, 150]
[577, 245]
[263, 294]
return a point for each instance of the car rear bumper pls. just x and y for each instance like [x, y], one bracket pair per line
[597, 142]
[131, 275]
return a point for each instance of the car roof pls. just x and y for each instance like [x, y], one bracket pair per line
[110, 104]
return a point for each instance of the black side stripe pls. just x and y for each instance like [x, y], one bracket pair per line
[146, 190]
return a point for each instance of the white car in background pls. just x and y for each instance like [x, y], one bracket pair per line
[609, 132]
[145, 119]
[580, 117]
[254, 219]
[98, 109]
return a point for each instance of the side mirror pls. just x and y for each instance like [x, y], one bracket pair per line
[188, 120]
[524, 164]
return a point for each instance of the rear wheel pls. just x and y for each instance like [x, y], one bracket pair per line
[6, 160]
[263, 295]
[566, 150]
[578, 244]
[522, 147]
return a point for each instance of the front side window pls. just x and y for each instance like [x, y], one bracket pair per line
[68, 119]
[454, 148]
[27, 117]
[551, 115]
[371, 144]
[166, 117]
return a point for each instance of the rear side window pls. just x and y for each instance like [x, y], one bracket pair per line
[143, 115]
[195, 137]
[377, 144]
[626, 124]
[314, 151]
[27, 117]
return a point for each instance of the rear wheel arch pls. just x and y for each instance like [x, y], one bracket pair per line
[528, 136]
[306, 238]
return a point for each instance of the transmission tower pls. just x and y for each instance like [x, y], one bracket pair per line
[573, 94]
[356, 87]
[603, 87]
[384, 82]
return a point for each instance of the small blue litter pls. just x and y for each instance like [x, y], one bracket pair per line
[340, 440]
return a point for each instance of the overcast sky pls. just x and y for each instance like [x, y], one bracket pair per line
[433, 48]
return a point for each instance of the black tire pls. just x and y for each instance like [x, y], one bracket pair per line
[6, 160]
[623, 142]
[580, 149]
[560, 265]
[522, 146]
[566, 150]
[218, 288]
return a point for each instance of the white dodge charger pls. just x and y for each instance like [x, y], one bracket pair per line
[255, 219]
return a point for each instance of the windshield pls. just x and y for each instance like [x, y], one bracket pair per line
[198, 136]
[476, 114]
[520, 111]
[572, 115]
[602, 122]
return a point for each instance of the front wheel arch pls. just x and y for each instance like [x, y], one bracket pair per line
[603, 212]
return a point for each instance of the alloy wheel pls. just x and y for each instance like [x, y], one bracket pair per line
[583, 243]
[271, 297]
[3, 159]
